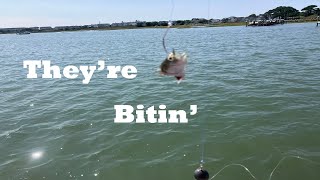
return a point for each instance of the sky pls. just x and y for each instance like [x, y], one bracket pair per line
[30, 13]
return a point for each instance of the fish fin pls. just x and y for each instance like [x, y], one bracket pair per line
[184, 57]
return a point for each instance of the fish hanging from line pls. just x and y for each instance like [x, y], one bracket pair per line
[174, 65]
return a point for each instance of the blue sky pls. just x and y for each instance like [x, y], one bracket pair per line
[18, 13]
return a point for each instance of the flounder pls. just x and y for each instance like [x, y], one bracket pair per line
[174, 65]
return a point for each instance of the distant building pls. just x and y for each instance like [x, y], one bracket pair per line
[103, 25]
[67, 28]
[215, 20]
[94, 25]
[116, 24]
[125, 24]
[47, 28]
[74, 27]
[261, 17]
[131, 23]
[61, 28]
[33, 29]
[232, 19]
[141, 23]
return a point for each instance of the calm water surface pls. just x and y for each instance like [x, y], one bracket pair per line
[257, 91]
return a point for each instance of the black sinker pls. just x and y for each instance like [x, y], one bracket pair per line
[201, 174]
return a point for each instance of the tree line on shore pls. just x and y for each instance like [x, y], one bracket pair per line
[288, 12]
[281, 12]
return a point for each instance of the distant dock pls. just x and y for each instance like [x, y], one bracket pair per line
[265, 22]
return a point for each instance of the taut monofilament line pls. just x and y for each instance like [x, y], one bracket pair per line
[167, 30]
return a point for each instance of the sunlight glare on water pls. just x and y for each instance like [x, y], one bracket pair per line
[37, 155]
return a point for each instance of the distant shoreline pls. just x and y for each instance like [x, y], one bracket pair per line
[278, 15]
[17, 30]
[104, 28]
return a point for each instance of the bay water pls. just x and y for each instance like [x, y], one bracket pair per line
[257, 91]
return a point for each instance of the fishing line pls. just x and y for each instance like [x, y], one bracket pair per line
[169, 25]
[244, 167]
[202, 150]
[203, 139]
[284, 158]
[209, 9]
[272, 172]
